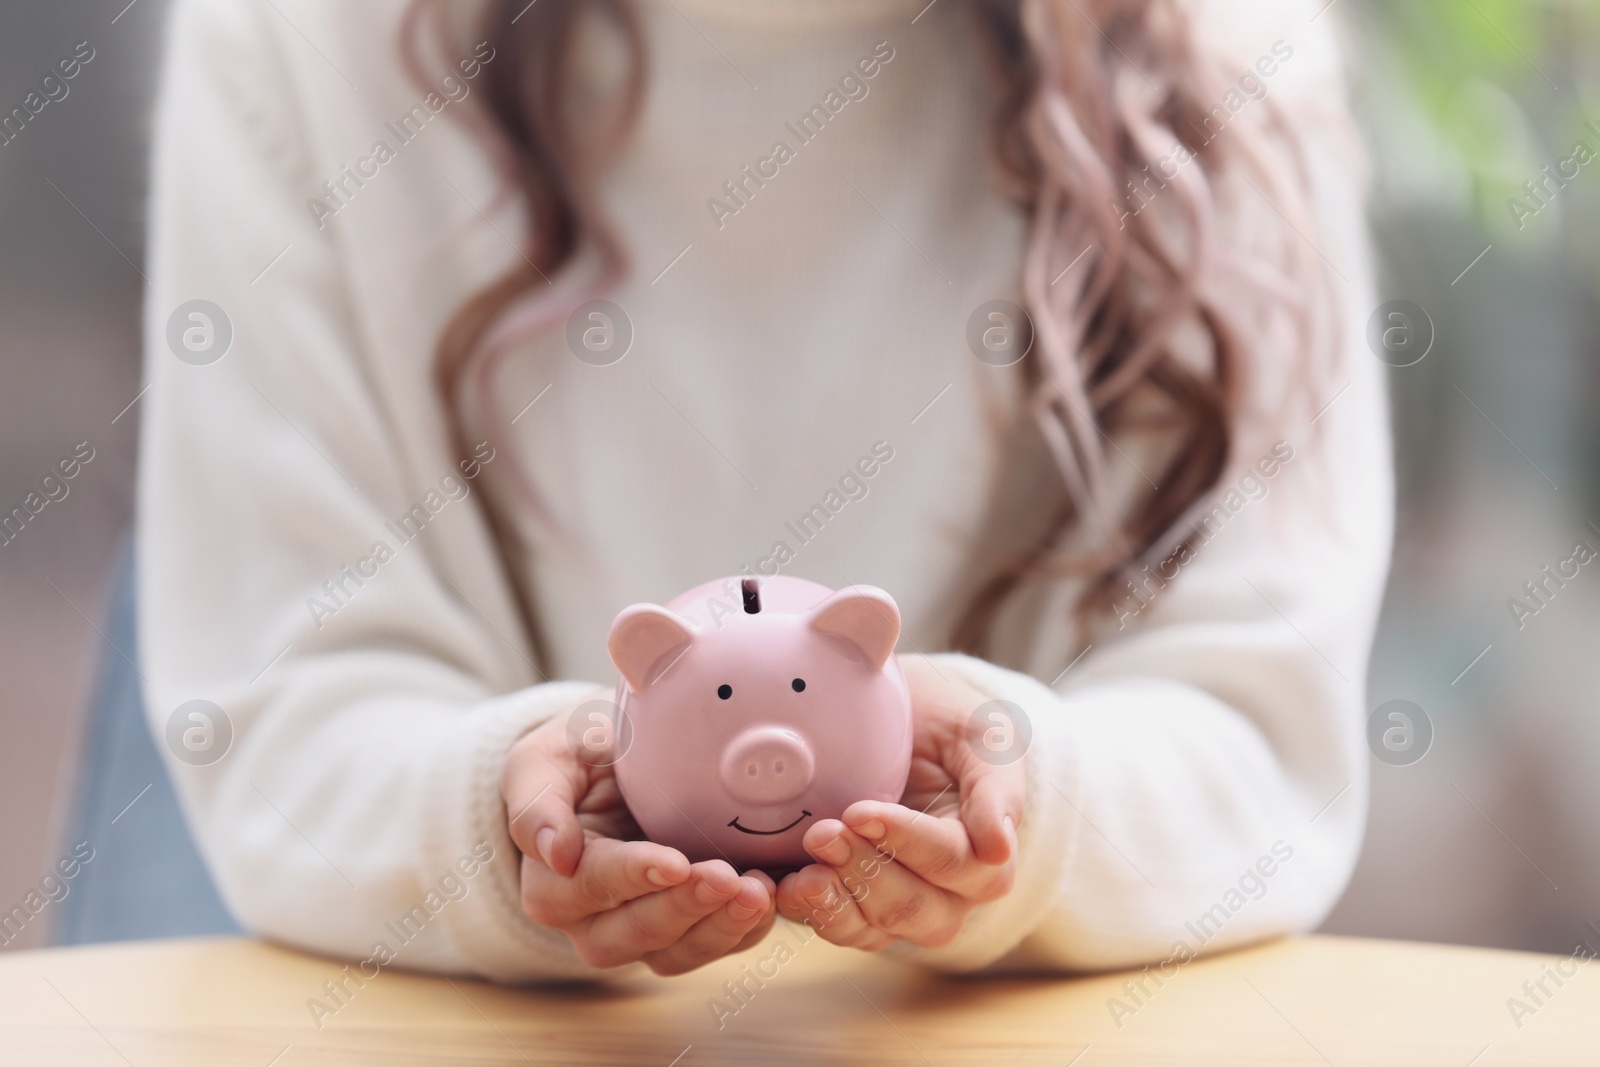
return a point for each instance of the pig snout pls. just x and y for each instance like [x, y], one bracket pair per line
[768, 765]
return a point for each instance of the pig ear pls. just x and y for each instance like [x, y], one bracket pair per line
[645, 639]
[865, 617]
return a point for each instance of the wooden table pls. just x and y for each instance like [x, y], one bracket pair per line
[1315, 1000]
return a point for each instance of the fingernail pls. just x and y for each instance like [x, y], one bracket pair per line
[543, 841]
[654, 876]
[706, 893]
[872, 831]
[834, 852]
[741, 913]
[828, 900]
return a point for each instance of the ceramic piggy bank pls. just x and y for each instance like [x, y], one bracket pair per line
[757, 707]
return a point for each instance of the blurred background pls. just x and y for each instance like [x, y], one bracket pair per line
[1492, 838]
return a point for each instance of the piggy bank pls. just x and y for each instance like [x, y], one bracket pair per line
[758, 706]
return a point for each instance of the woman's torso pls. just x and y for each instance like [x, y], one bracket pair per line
[810, 329]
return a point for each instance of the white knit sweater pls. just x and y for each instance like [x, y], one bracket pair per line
[1198, 776]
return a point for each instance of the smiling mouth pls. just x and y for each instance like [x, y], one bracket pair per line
[768, 833]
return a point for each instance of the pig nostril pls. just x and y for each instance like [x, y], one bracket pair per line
[752, 770]
[778, 767]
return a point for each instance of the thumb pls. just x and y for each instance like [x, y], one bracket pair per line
[992, 800]
[541, 785]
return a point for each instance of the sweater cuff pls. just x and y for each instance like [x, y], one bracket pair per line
[490, 934]
[1047, 837]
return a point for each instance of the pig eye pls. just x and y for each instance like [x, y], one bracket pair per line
[798, 685]
[724, 691]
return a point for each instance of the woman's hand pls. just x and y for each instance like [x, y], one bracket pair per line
[913, 871]
[587, 872]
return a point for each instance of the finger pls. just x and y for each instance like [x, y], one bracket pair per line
[541, 785]
[992, 799]
[745, 918]
[759, 931]
[655, 920]
[891, 897]
[988, 791]
[610, 873]
[813, 895]
[937, 850]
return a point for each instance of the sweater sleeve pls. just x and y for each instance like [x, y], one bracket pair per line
[1197, 780]
[325, 590]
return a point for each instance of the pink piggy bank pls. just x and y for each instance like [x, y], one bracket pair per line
[757, 707]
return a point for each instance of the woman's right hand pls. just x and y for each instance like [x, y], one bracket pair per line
[587, 871]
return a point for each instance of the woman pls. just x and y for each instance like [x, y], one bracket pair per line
[399, 489]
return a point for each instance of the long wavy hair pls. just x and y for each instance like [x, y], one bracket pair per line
[1160, 325]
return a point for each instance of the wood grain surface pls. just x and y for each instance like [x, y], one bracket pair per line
[1313, 1000]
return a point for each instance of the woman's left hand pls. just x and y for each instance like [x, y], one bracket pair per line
[913, 871]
